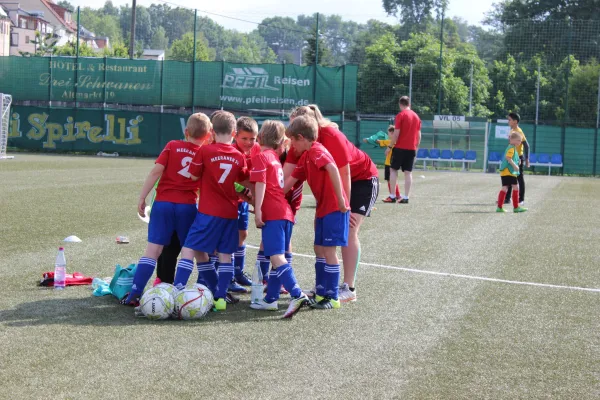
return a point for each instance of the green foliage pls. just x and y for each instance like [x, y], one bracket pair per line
[183, 49]
[159, 41]
[70, 49]
[309, 56]
[44, 45]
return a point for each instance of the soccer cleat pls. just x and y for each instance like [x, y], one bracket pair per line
[500, 210]
[283, 291]
[295, 305]
[326, 304]
[157, 281]
[243, 279]
[135, 302]
[234, 287]
[220, 305]
[520, 209]
[263, 305]
[389, 200]
[231, 299]
[346, 295]
[403, 201]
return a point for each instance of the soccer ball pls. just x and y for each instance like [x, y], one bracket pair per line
[168, 287]
[193, 303]
[157, 303]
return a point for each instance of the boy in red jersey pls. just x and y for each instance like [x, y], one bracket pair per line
[245, 143]
[274, 216]
[318, 168]
[174, 207]
[218, 166]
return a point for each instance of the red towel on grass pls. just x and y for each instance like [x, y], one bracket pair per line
[73, 279]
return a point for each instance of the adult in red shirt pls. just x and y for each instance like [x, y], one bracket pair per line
[361, 184]
[403, 145]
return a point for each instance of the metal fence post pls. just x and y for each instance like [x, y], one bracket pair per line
[194, 65]
[344, 97]
[567, 76]
[50, 85]
[441, 61]
[471, 93]
[537, 107]
[410, 76]
[597, 127]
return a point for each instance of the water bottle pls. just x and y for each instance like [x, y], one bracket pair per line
[256, 294]
[60, 269]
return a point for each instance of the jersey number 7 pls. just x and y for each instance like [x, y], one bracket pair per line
[226, 170]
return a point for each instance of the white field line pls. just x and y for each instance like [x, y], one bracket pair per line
[472, 277]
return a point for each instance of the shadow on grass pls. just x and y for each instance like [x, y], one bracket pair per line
[467, 204]
[106, 311]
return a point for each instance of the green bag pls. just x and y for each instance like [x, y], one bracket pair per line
[122, 281]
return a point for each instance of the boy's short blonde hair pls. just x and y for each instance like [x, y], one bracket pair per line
[215, 113]
[247, 124]
[391, 128]
[305, 126]
[272, 134]
[198, 125]
[516, 135]
[223, 123]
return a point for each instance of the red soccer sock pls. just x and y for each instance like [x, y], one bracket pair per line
[397, 191]
[501, 197]
[515, 198]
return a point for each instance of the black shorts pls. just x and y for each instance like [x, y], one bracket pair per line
[403, 159]
[363, 195]
[387, 173]
[509, 180]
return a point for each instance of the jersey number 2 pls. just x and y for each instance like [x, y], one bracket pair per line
[185, 163]
[226, 170]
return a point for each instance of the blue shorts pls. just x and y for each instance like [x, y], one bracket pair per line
[332, 229]
[209, 233]
[166, 218]
[276, 236]
[243, 216]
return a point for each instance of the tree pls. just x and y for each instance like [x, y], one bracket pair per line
[310, 51]
[414, 14]
[118, 50]
[282, 33]
[159, 41]
[66, 4]
[101, 24]
[110, 9]
[183, 49]
[70, 49]
[366, 37]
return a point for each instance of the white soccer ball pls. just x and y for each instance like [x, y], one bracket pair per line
[168, 287]
[193, 303]
[157, 303]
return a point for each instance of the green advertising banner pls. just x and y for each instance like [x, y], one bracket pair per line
[181, 84]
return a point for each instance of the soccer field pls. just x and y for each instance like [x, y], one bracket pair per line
[454, 300]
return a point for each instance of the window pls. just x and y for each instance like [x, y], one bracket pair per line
[14, 39]
[26, 39]
[23, 23]
[2, 28]
[67, 16]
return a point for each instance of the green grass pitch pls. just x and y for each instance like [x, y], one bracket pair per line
[410, 335]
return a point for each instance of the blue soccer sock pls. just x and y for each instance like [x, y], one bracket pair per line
[143, 273]
[207, 275]
[320, 283]
[214, 259]
[288, 280]
[225, 277]
[184, 270]
[240, 260]
[289, 258]
[332, 280]
[273, 287]
[264, 264]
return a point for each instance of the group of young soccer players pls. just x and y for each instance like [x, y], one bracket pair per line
[205, 183]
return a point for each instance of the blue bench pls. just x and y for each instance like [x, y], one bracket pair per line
[535, 160]
[468, 157]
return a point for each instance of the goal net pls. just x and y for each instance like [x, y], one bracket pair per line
[5, 102]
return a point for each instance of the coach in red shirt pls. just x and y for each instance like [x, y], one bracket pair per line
[403, 145]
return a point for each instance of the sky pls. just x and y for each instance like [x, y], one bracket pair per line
[256, 10]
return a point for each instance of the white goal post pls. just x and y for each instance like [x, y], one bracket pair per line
[5, 102]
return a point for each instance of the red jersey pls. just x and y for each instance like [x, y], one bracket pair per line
[175, 185]
[267, 169]
[218, 166]
[311, 168]
[344, 153]
[294, 195]
[409, 124]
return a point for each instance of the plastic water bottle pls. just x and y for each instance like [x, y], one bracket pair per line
[60, 269]
[256, 293]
